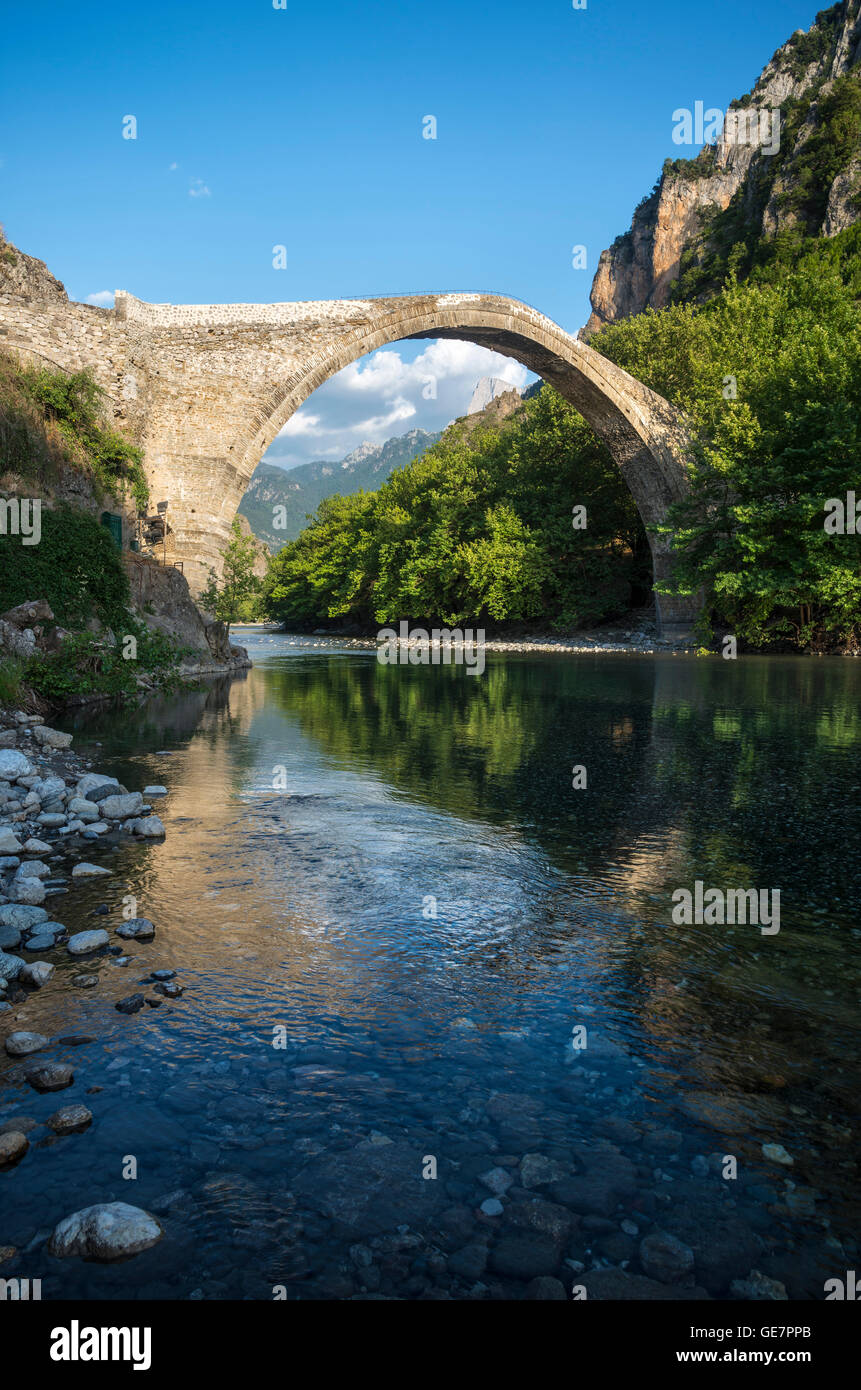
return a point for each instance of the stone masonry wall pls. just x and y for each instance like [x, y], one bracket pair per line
[205, 388]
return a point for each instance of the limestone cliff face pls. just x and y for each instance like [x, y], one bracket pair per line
[639, 269]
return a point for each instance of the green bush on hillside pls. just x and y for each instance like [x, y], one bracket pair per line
[75, 566]
[51, 418]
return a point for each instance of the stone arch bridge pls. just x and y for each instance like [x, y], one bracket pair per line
[206, 388]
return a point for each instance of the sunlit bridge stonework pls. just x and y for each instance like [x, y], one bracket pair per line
[206, 388]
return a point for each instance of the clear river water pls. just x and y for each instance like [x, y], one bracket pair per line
[390, 909]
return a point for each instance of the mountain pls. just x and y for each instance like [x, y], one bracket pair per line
[301, 490]
[759, 189]
[487, 390]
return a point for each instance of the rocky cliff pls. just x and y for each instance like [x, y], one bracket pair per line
[23, 277]
[716, 211]
[161, 599]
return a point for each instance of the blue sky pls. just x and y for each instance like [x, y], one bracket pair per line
[302, 127]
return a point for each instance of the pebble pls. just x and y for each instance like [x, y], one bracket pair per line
[85, 870]
[13, 1146]
[758, 1288]
[70, 1119]
[36, 974]
[492, 1207]
[137, 928]
[84, 941]
[146, 827]
[23, 1044]
[131, 1004]
[51, 1076]
[497, 1180]
[665, 1258]
[776, 1153]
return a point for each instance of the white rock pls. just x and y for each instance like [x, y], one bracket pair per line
[108, 1231]
[137, 928]
[9, 842]
[36, 974]
[10, 966]
[148, 828]
[22, 1044]
[84, 941]
[49, 788]
[85, 870]
[27, 890]
[51, 738]
[118, 807]
[155, 791]
[34, 868]
[13, 764]
[20, 916]
[91, 780]
[34, 846]
[776, 1153]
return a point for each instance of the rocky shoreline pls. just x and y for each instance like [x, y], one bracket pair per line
[53, 808]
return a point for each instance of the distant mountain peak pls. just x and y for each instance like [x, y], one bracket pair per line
[361, 452]
[487, 390]
[302, 489]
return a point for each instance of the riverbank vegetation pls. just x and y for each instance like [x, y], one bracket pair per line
[236, 596]
[769, 372]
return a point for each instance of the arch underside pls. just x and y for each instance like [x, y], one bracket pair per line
[641, 430]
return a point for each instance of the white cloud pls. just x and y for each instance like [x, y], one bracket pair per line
[104, 299]
[386, 394]
[199, 189]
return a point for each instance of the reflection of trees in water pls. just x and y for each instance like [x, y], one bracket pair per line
[732, 772]
[499, 747]
[760, 755]
[745, 765]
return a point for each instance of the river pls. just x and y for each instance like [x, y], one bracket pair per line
[390, 909]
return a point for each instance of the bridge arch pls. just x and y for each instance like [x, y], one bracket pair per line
[206, 388]
[644, 433]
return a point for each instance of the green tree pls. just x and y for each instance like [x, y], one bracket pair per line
[233, 597]
[477, 529]
[769, 372]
